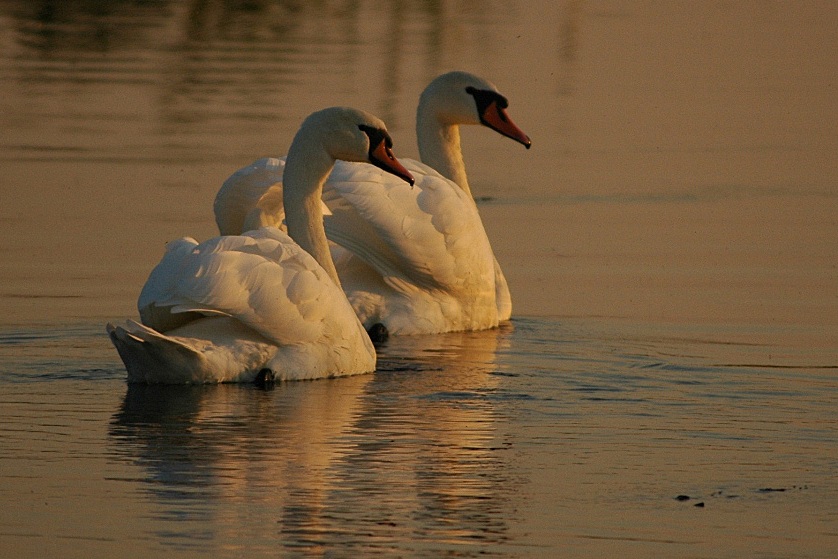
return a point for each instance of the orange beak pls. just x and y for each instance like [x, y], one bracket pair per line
[496, 118]
[382, 157]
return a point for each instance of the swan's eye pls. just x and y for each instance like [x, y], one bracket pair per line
[376, 136]
[484, 98]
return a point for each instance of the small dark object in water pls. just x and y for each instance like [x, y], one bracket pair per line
[699, 504]
[378, 333]
[264, 379]
[682, 498]
[772, 489]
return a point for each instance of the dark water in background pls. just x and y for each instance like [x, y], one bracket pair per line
[669, 240]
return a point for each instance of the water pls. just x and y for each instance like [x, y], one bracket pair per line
[669, 241]
[545, 437]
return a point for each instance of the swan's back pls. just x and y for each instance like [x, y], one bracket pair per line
[428, 265]
[431, 231]
[262, 278]
[251, 198]
[223, 309]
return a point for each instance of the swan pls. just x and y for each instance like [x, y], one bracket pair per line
[418, 256]
[263, 305]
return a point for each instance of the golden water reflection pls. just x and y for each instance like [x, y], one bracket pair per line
[412, 449]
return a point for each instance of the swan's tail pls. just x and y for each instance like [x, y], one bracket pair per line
[152, 357]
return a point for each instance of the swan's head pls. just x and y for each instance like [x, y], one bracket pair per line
[463, 98]
[354, 135]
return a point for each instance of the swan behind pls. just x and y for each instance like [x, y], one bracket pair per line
[406, 244]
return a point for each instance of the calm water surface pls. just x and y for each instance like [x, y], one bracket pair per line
[667, 387]
[544, 438]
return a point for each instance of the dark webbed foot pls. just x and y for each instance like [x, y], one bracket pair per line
[378, 333]
[264, 378]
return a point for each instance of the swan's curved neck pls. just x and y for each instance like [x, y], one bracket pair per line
[439, 146]
[306, 169]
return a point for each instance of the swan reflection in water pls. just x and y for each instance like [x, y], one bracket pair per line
[411, 453]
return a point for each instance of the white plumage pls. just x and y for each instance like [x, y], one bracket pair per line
[227, 308]
[419, 259]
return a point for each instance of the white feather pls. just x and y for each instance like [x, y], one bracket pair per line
[419, 258]
[224, 309]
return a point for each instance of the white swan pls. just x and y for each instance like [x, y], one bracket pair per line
[420, 259]
[265, 303]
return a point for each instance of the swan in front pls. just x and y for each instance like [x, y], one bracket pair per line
[419, 259]
[240, 307]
